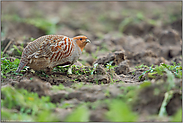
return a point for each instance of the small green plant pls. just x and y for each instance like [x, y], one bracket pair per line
[76, 70]
[80, 114]
[80, 70]
[8, 67]
[32, 39]
[41, 73]
[78, 85]
[107, 93]
[94, 68]
[167, 97]
[8, 115]
[111, 67]
[94, 105]
[60, 69]
[141, 66]
[67, 105]
[120, 112]
[176, 69]
[145, 84]
[129, 93]
[171, 72]
[25, 102]
[178, 116]
[20, 53]
[164, 68]
[46, 116]
[58, 87]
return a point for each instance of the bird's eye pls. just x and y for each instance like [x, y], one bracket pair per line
[80, 39]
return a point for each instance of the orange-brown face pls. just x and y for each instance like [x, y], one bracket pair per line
[81, 41]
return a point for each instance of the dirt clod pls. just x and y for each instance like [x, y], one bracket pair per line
[123, 68]
[34, 85]
[169, 37]
[116, 58]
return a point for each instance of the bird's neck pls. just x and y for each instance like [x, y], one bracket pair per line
[81, 45]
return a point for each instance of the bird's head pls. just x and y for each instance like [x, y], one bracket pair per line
[81, 41]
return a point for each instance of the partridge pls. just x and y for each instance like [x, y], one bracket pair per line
[49, 51]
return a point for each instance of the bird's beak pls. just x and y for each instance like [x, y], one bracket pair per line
[87, 41]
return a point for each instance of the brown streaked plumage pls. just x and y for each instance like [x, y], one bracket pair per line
[52, 50]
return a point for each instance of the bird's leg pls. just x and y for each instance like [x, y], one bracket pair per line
[69, 69]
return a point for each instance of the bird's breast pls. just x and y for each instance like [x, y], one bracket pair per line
[62, 50]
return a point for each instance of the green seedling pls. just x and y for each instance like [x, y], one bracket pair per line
[20, 53]
[8, 67]
[107, 93]
[78, 85]
[120, 112]
[141, 66]
[167, 97]
[177, 117]
[58, 87]
[80, 114]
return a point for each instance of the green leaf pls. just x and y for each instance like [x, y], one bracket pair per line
[167, 97]
[46, 116]
[145, 84]
[177, 117]
[81, 114]
[170, 79]
[120, 112]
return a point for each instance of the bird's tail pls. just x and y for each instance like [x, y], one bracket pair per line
[21, 66]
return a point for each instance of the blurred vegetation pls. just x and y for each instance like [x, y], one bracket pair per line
[28, 105]
[177, 117]
[47, 25]
[8, 67]
[107, 21]
[80, 114]
[120, 112]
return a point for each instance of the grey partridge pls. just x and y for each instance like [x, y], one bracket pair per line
[50, 51]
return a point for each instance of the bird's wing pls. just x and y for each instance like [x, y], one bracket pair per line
[48, 47]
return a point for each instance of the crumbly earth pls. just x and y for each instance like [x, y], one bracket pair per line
[140, 43]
